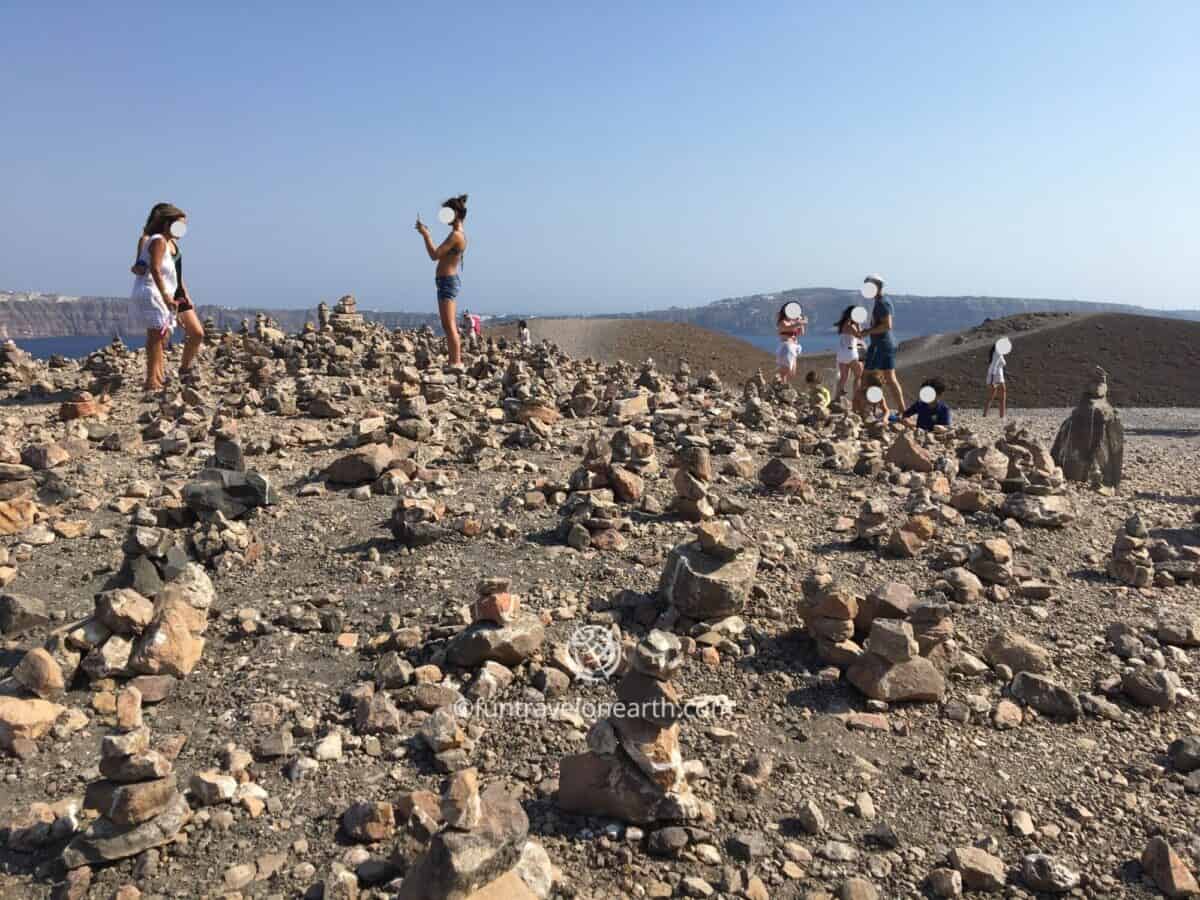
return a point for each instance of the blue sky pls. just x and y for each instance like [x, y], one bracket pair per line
[622, 157]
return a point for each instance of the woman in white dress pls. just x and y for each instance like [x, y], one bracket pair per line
[997, 389]
[155, 287]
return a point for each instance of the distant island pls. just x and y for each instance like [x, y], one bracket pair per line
[38, 315]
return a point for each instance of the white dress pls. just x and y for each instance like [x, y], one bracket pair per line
[148, 309]
[995, 373]
[847, 349]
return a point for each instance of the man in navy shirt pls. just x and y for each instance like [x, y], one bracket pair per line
[930, 414]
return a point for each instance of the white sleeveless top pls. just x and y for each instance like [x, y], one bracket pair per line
[144, 285]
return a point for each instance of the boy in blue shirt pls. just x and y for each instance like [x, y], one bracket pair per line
[930, 414]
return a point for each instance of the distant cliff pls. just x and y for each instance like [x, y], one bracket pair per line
[914, 314]
[53, 315]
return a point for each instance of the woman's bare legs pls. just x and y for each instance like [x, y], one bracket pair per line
[1002, 390]
[155, 364]
[892, 383]
[857, 368]
[450, 326]
[843, 375]
[193, 339]
[987, 404]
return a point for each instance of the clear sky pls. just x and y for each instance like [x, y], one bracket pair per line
[620, 157]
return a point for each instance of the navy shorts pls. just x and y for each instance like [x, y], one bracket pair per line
[447, 287]
[880, 356]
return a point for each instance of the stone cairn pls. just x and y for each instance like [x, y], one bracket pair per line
[500, 631]
[481, 849]
[1131, 562]
[592, 518]
[139, 804]
[692, 479]
[129, 634]
[908, 645]
[84, 405]
[1090, 446]
[633, 769]
[634, 451]
[17, 366]
[346, 319]
[709, 578]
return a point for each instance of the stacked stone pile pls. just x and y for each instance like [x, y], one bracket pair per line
[633, 769]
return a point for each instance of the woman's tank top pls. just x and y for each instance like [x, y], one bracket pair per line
[170, 279]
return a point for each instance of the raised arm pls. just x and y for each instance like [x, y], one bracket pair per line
[452, 242]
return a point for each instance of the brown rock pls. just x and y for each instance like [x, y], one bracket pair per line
[140, 801]
[25, 720]
[40, 674]
[369, 822]
[16, 515]
[1170, 873]
[169, 645]
[917, 679]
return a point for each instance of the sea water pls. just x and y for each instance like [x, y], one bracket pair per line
[74, 347]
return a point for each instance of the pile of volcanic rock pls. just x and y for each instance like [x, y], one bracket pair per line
[633, 769]
[709, 578]
[692, 479]
[784, 476]
[17, 366]
[139, 803]
[1131, 562]
[618, 465]
[592, 519]
[500, 631]
[84, 405]
[480, 850]
[29, 712]
[908, 645]
[1141, 560]
[130, 634]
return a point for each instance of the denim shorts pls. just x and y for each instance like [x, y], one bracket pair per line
[881, 356]
[447, 287]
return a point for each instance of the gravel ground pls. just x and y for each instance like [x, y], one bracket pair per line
[1096, 790]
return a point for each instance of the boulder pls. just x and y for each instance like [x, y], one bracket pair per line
[508, 645]
[106, 841]
[980, 870]
[39, 673]
[25, 720]
[908, 455]
[233, 494]
[19, 614]
[1042, 511]
[701, 586]
[916, 679]
[1168, 871]
[362, 466]
[1018, 653]
[1046, 696]
[16, 515]
[460, 862]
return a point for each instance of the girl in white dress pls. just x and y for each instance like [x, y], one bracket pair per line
[997, 389]
[155, 287]
[849, 355]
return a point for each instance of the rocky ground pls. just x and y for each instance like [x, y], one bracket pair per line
[899, 689]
